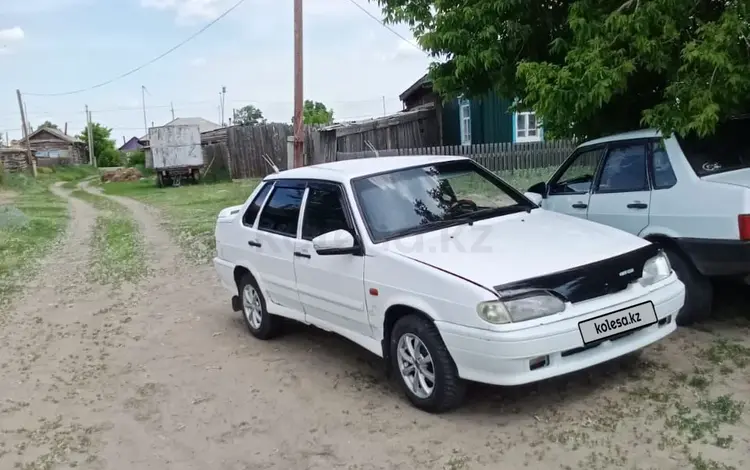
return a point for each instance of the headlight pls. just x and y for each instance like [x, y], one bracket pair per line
[656, 269]
[520, 308]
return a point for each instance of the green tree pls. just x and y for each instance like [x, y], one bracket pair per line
[104, 147]
[248, 116]
[315, 112]
[49, 125]
[591, 67]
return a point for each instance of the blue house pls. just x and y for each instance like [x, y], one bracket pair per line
[480, 120]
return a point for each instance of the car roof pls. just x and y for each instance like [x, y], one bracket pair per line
[347, 170]
[632, 135]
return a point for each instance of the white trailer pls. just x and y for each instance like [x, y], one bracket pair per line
[176, 153]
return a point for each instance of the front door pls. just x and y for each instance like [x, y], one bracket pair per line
[622, 194]
[275, 242]
[569, 189]
[331, 287]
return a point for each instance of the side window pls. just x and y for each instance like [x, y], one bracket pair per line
[579, 175]
[664, 176]
[252, 211]
[624, 170]
[324, 212]
[281, 212]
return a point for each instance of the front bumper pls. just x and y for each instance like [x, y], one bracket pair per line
[718, 257]
[506, 358]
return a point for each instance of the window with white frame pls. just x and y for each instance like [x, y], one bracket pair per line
[527, 127]
[465, 115]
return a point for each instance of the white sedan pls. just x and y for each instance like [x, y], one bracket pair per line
[444, 270]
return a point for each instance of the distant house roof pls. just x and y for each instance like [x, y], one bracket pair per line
[203, 124]
[54, 132]
[133, 144]
[423, 82]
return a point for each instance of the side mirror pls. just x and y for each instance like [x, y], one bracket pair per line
[536, 198]
[539, 188]
[338, 242]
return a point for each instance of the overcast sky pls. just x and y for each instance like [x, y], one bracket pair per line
[51, 46]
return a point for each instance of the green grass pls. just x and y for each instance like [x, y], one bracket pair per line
[72, 173]
[31, 219]
[118, 247]
[190, 210]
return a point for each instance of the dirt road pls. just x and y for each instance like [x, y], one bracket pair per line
[162, 375]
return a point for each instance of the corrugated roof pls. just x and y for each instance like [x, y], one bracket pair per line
[59, 134]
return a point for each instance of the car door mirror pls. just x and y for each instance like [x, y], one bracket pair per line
[534, 197]
[539, 188]
[337, 242]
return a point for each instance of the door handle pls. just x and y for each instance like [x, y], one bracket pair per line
[637, 205]
[579, 205]
[254, 243]
[299, 254]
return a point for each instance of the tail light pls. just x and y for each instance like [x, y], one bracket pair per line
[744, 222]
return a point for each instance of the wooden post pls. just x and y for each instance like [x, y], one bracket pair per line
[29, 157]
[299, 133]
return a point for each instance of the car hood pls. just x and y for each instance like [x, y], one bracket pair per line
[735, 177]
[516, 247]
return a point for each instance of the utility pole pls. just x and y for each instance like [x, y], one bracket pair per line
[299, 130]
[384, 112]
[92, 160]
[222, 96]
[29, 158]
[143, 101]
[172, 106]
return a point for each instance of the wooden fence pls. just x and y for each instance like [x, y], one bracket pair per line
[495, 157]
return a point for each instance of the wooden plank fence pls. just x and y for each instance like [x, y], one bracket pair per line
[494, 157]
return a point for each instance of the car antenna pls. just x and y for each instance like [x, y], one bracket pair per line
[372, 148]
[270, 163]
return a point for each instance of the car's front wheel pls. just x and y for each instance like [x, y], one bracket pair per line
[261, 324]
[425, 368]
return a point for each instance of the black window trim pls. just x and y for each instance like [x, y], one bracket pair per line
[264, 184]
[321, 183]
[622, 143]
[652, 173]
[292, 185]
[480, 169]
[569, 162]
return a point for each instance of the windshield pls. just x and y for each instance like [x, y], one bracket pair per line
[415, 200]
[727, 149]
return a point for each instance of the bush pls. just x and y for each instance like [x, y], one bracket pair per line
[108, 158]
[137, 158]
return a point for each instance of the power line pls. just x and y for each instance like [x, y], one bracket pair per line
[382, 23]
[132, 71]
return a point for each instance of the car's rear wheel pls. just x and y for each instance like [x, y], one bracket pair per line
[698, 290]
[426, 370]
[261, 324]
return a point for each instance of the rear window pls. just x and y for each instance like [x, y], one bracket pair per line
[726, 150]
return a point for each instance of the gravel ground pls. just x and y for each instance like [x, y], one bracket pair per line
[163, 375]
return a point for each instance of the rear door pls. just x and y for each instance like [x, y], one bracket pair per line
[621, 196]
[276, 235]
[570, 187]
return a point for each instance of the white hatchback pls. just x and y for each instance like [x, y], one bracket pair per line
[444, 270]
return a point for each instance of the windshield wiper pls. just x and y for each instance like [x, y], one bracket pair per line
[496, 211]
[436, 225]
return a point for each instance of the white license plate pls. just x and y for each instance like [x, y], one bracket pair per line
[610, 324]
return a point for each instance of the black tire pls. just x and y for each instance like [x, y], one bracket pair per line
[698, 290]
[448, 389]
[270, 325]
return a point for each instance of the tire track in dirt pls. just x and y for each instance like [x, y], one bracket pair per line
[50, 355]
